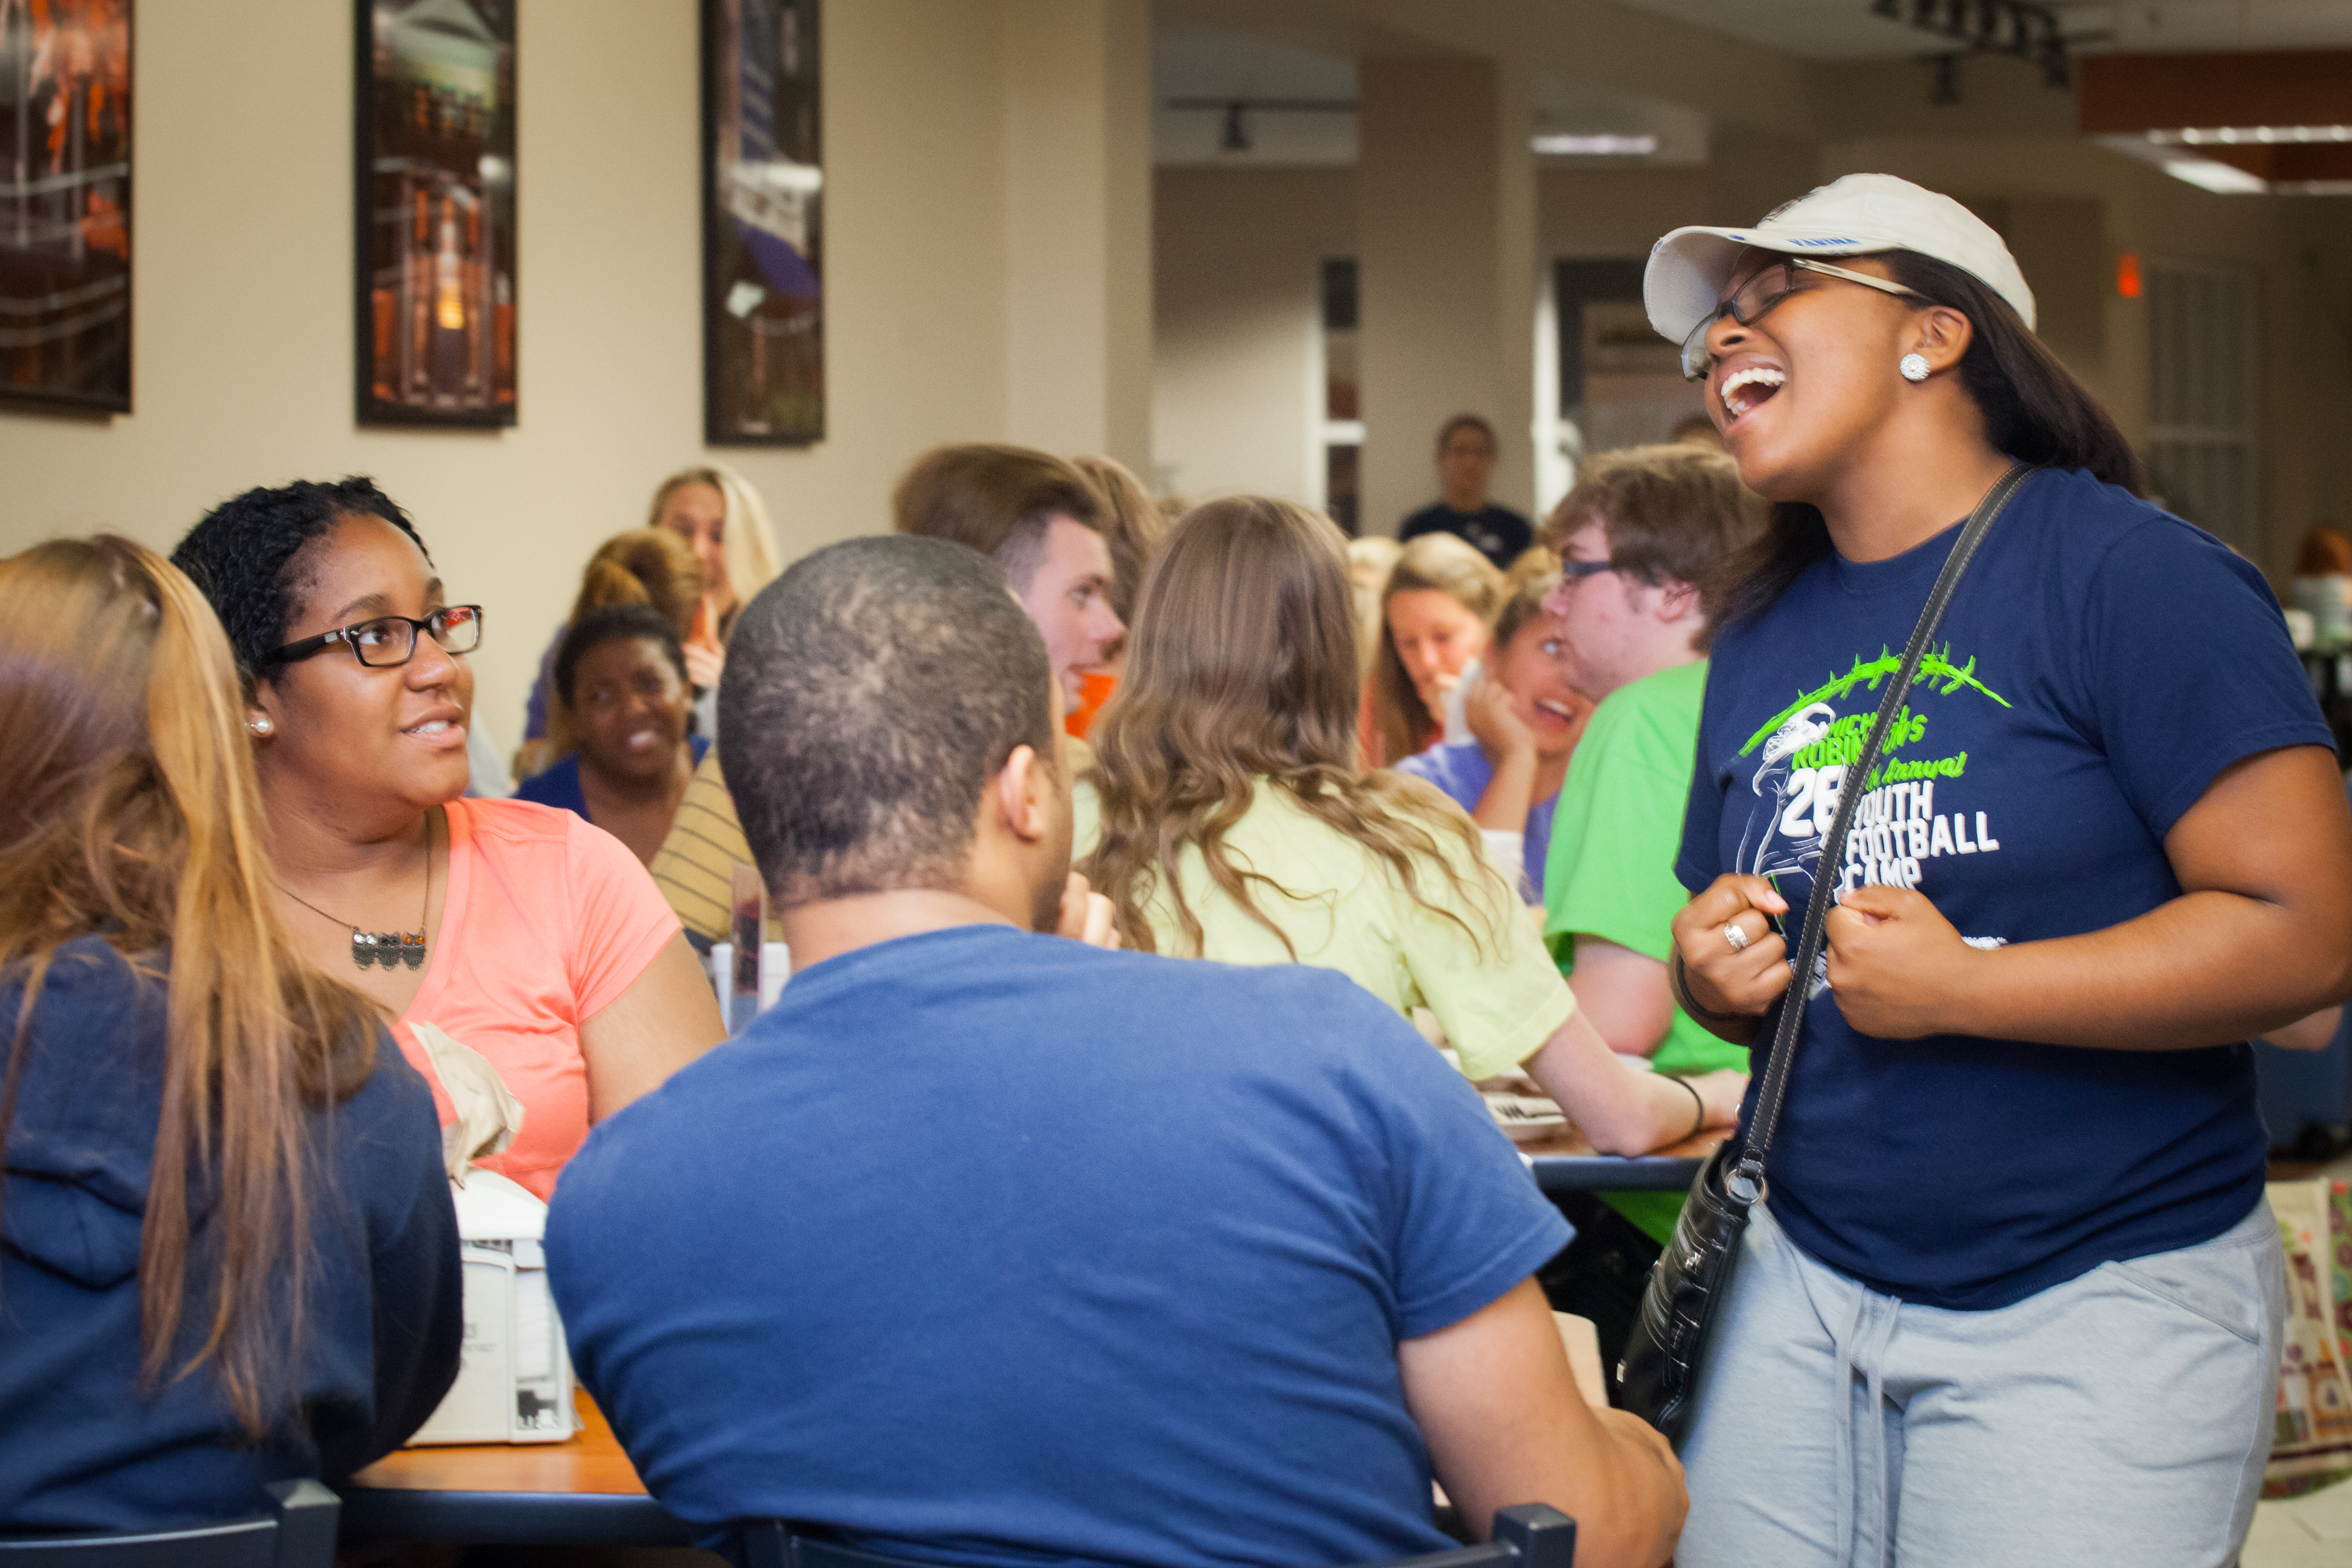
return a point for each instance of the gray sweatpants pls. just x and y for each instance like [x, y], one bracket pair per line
[2122, 1418]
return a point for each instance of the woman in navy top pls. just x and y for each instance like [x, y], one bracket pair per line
[621, 673]
[2014, 1295]
[229, 1254]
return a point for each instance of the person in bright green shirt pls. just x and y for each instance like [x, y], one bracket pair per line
[1642, 526]
[1610, 874]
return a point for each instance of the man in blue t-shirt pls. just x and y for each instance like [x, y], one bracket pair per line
[985, 1246]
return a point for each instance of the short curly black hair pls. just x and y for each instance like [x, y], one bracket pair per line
[243, 555]
[616, 622]
[870, 694]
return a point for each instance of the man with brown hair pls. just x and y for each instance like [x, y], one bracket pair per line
[1645, 529]
[1040, 518]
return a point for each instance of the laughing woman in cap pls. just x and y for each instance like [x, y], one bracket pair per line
[2014, 1295]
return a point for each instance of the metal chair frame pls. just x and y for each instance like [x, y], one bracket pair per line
[1527, 1535]
[298, 1532]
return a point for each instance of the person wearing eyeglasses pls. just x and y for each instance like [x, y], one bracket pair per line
[520, 932]
[1524, 719]
[1644, 533]
[2015, 1294]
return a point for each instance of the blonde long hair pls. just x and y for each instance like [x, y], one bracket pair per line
[1439, 561]
[1242, 667]
[750, 540]
[128, 809]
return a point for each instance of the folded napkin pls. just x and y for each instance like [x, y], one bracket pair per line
[488, 1114]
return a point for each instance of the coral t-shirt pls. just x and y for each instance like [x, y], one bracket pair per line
[548, 919]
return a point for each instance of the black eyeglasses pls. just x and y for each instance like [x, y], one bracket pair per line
[1764, 289]
[1569, 571]
[390, 641]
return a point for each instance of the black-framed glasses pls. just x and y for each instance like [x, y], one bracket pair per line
[1571, 570]
[1765, 289]
[390, 641]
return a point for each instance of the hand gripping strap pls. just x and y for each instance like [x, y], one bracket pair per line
[1750, 1168]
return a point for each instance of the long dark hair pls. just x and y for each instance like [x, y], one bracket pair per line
[2034, 408]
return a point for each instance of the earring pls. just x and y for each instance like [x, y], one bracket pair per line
[262, 726]
[1912, 366]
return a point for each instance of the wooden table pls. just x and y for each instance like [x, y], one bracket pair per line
[578, 1492]
[1564, 1162]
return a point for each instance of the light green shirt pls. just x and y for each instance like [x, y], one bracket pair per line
[1611, 872]
[1498, 994]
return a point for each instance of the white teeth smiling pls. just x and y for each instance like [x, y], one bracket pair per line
[431, 727]
[1738, 381]
[1558, 709]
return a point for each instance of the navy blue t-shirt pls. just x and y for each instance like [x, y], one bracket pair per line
[559, 786]
[2100, 664]
[1497, 532]
[988, 1247]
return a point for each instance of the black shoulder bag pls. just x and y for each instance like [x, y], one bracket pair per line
[1690, 1278]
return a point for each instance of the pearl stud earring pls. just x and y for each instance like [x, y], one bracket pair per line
[1912, 366]
[262, 726]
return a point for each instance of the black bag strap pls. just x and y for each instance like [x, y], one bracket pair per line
[1825, 874]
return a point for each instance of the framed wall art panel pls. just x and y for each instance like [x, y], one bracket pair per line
[64, 206]
[762, 224]
[434, 193]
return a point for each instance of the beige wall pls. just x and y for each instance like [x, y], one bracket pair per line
[1237, 396]
[1599, 213]
[1445, 224]
[242, 330]
[1077, 80]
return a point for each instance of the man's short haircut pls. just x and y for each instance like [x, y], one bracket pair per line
[1467, 422]
[1674, 514]
[996, 500]
[871, 694]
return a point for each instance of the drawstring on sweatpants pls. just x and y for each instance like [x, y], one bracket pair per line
[1863, 1351]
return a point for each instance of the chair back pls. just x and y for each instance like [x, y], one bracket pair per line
[298, 1532]
[1527, 1535]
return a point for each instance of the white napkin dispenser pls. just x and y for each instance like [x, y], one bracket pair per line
[514, 1376]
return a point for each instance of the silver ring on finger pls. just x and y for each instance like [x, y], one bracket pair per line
[1738, 939]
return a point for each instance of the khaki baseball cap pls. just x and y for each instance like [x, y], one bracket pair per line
[1855, 216]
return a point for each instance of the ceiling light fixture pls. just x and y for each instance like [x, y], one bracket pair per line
[2032, 31]
[2277, 117]
[1582, 146]
[2220, 178]
[2257, 135]
[1237, 134]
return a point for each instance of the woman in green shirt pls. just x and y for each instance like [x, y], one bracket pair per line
[1229, 817]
